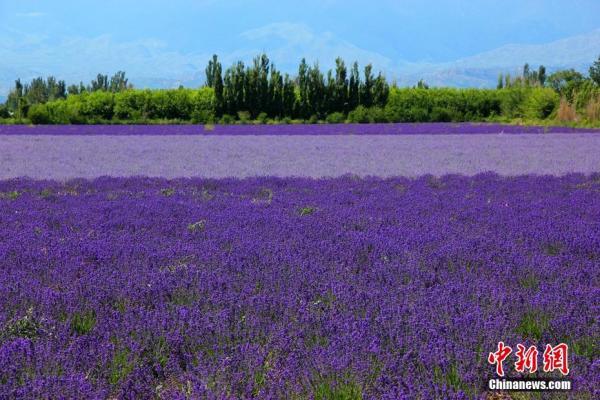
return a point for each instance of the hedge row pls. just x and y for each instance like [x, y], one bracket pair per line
[198, 106]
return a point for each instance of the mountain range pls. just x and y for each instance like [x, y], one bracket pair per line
[152, 64]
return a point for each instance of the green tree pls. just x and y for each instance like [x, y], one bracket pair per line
[341, 86]
[210, 71]
[100, 83]
[73, 89]
[526, 74]
[381, 91]
[354, 87]
[276, 94]
[366, 88]
[289, 96]
[542, 75]
[566, 82]
[303, 84]
[214, 80]
[330, 100]
[316, 90]
[422, 84]
[595, 71]
[119, 83]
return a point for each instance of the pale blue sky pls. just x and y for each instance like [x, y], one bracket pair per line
[172, 39]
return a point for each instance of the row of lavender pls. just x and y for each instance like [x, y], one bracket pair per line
[304, 129]
[292, 288]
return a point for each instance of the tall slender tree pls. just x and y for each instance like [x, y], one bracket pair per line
[542, 75]
[381, 91]
[289, 96]
[303, 84]
[316, 90]
[341, 86]
[210, 71]
[276, 94]
[595, 71]
[354, 87]
[366, 88]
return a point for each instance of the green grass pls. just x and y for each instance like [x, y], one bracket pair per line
[46, 193]
[183, 296]
[340, 391]
[553, 248]
[12, 195]
[308, 210]
[197, 226]
[25, 327]
[167, 192]
[83, 323]
[529, 281]
[159, 351]
[587, 347]
[119, 367]
[533, 325]
[450, 378]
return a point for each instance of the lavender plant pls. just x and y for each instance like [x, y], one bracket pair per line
[292, 288]
[294, 129]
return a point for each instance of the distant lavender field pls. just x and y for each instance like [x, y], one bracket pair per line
[304, 129]
[70, 156]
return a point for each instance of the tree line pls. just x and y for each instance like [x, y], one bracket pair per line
[259, 91]
[41, 91]
[261, 88]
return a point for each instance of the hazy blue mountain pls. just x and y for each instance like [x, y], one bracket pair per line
[151, 63]
[482, 69]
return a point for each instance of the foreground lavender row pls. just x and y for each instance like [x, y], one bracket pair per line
[302, 129]
[293, 288]
[64, 157]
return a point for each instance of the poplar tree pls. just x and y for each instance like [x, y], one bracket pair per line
[341, 86]
[353, 89]
[366, 88]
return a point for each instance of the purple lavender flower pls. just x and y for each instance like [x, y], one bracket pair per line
[280, 287]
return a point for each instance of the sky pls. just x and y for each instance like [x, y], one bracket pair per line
[172, 40]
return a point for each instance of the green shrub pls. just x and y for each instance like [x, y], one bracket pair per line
[360, 115]
[336, 118]
[262, 118]
[440, 114]
[540, 103]
[97, 106]
[244, 116]
[38, 114]
[227, 119]
[132, 104]
[512, 102]
[4, 111]
[376, 114]
[417, 114]
[203, 117]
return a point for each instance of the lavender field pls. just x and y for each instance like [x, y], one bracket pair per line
[173, 266]
[279, 288]
[66, 157]
[294, 129]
